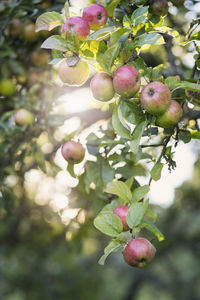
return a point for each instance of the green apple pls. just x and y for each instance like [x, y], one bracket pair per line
[23, 117]
[102, 87]
[73, 76]
[171, 116]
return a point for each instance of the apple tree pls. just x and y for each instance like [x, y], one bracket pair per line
[144, 102]
[152, 106]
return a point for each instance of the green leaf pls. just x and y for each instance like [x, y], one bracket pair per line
[118, 35]
[140, 192]
[111, 7]
[156, 171]
[136, 213]
[101, 34]
[153, 229]
[185, 136]
[70, 169]
[92, 144]
[137, 134]
[58, 43]
[195, 134]
[109, 56]
[139, 15]
[48, 21]
[111, 206]
[100, 173]
[55, 61]
[120, 189]
[131, 112]
[129, 182]
[107, 173]
[172, 81]
[149, 39]
[108, 223]
[151, 215]
[121, 118]
[40, 159]
[186, 85]
[113, 246]
[117, 125]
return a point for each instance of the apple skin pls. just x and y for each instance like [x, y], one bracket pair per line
[29, 33]
[7, 88]
[155, 98]
[80, 27]
[73, 76]
[102, 87]
[126, 81]
[139, 252]
[177, 2]
[23, 117]
[40, 58]
[96, 16]
[16, 27]
[171, 116]
[159, 7]
[121, 211]
[73, 152]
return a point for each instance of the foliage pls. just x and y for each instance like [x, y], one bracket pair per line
[127, 146]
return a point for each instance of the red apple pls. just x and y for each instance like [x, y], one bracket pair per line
[177, 2]
[159, 7]
[23, 116]
[96, 16]
[79, 26]
[126, 81]
[102, 87]
[155, 98]
[121, 212]
[73, 76]
[139, 252]
[73, 152]
[171, 116]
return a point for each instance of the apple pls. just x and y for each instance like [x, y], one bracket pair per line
[121, 212]
[29, 33]
[73, 152]
[23, 117]
[40, 58]
[7, 88]
[73, 76]
[34, 77]
[155, 98]
[171, 116]
[79, 26]
[139, 252]
[16, 27]
[177, 2]
[96, 16]
[102, 87]
[159, 7]
[126, 81]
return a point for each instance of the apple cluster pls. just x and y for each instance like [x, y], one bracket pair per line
[139, 252]
[125, 81]
[155, 97]
[94, 17]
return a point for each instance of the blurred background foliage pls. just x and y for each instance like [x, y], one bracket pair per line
[48, 246]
